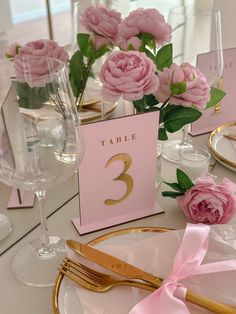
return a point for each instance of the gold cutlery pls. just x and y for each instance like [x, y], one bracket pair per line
[230, 136]
[131, 272]
[94, 280]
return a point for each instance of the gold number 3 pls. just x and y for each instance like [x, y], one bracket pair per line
[127, 179]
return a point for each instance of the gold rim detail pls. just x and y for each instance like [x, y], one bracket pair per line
[210, 140]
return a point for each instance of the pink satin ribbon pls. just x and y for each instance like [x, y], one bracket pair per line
[170, 297]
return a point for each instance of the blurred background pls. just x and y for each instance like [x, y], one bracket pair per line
[23, 20]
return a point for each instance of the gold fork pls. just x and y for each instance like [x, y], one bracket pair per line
[94, 280]
[100, 282]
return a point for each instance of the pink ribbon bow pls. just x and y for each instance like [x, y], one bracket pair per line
[169, 298]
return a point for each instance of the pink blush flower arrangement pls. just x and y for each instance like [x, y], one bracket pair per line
[197, 89]
[130, 74]
[38, 68]
[141, 22]
[102, 22]
[181, 91]
[33, 58]
[204, 201]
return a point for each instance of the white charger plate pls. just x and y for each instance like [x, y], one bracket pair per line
[143, 248]
[222, 148]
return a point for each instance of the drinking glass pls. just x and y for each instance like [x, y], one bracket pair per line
[195, 31]
[42, 148]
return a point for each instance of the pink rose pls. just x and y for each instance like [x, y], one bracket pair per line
[135, 42]
[145, 21]
[208, 202]
[102, 21]
[37, 65]
[12, 50]
[130, 74]
[197, 88]
[98, 41]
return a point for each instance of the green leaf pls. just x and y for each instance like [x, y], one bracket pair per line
[164, 57]
[183, 180]
[164, 111]
[216, 96]
[83, 41]
[146, 104]
[176, 187]
[152, 45]
[176, 118]
[151, 100]
[100, 52]
[177, 88]
[171, 194]
[162, 135]
[22, 89]
[148, 53]
[146, 38]
[91, 74]
[76, 72]
[75, 88]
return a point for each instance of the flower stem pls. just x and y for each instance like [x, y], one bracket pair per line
[84, 82]
[165, 103]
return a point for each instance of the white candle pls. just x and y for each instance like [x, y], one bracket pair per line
[194, 161]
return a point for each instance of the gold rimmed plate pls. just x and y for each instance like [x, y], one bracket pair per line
[223, 148]
[153, 250]
[65, 298]
[93, 112]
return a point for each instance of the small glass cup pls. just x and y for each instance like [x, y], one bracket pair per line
[194, 161]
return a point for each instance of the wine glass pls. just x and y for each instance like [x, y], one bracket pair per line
[42, 148]
[195, 31]
[5, 222]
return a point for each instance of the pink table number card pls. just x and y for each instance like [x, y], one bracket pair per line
[225, 111]
[117, 174]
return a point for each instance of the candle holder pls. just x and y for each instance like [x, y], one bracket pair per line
[194, 161]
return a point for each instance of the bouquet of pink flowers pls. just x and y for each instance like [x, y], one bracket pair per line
[35, 90]
[142, 71]
[204, 201]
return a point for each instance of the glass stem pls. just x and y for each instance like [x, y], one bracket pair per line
[185, 135]
[45, 250]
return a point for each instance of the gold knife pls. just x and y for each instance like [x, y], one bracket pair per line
[132, 272]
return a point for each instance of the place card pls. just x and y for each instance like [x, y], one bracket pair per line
[117, 173]
[21, 199]
[225, 111]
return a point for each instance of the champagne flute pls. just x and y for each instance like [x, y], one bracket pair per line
[43, 148]
[195, 31]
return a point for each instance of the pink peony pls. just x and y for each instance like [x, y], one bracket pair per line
[98, 41]
[197, 88]
[130, 74]
[102, 21]
[12, 50]
[145, 21]
[208, 202]
[37, 65]
[135, 42]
